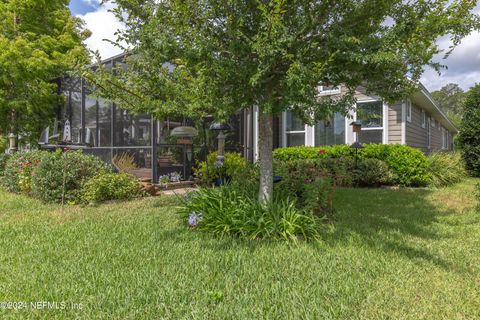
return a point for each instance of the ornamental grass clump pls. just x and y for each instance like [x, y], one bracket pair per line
[446, 169]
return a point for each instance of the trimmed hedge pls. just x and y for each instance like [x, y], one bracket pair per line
[409, 166]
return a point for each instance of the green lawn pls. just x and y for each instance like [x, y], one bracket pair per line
[391, 254]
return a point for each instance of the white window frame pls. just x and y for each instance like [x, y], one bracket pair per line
[434, 122]
[408, 110]
[384, 126]
[444, 140]
[322, 92]
[285, 132]
[424, 119]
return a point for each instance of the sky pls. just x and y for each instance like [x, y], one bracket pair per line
[463, 65]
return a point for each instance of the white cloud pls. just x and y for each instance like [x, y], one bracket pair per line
[463, 65]
[103, 25]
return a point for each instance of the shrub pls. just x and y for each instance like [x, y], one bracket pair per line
[3, 162]
[469, 137]
[303, 152]
[3, 144]
[317, 197]
[407, 165]
[60, 176]
[298, 172]
[19, 170]
[446, 168]
[235, 167]
[372, 173]
[110, 186]
[231, 210]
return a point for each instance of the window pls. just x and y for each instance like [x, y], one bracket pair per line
[409, 110]
[370, 115]
[444, 138]
[434, 123]
[424, 118]
[294, 130]
[329, 132]
[328, 90]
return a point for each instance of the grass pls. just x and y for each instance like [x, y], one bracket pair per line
[390, 254]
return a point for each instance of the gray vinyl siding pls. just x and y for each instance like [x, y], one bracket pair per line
[415, 135]
[436, 136]
[395, 123]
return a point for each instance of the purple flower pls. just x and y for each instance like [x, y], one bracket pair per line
[194, 218]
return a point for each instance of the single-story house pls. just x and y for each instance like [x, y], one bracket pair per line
[109, 132]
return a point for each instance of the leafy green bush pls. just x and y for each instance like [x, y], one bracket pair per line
[232, 210]
[235, 167]
[407, 165]
[303, 152]
[110, 186]
[61, 175]
[3, 162]
[19, 170]
[446, 168]
[469, 137]
[3, 144]
[299, 172]
[372, 173]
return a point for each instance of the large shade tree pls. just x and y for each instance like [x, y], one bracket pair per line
[219, 56]
[39, 40]
[451, 99]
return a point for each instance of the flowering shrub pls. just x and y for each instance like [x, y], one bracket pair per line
[60, 176]
[20, 169]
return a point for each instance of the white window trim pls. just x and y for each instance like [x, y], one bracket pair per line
[404, 125]
[384, 120]
[433, 122]
[322, 92]
[424, 119]
[285, 132]
[408, 110]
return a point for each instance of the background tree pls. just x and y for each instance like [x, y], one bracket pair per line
[469, 137]
[39, 40]
[229, 55]
[450, 99]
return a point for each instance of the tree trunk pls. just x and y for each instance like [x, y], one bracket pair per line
[265, 148]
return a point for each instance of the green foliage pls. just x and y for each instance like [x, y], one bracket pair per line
[446, 168]
[303, 152]
[110, 186]
[450, 98]
[469, 137]
[372, 172]
[3, 162]
[235, 167]
[231, 55]
[19, 170]
[3, 144]
[232, 210]
[61, 175]
[39, 41]
[407, 165]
